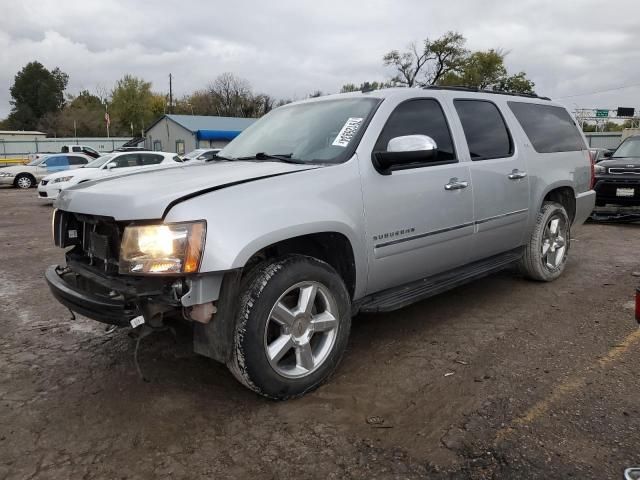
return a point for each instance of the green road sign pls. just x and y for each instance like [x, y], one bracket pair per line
[602, 113]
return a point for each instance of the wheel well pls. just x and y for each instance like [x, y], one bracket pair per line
[331, 247]
[565, 197]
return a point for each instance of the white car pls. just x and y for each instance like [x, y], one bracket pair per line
[201, 155]
[27, 176]
[111, 164]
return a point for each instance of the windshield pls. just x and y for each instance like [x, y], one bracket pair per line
[194, 153]
[314, 131]
[98, 162]
[630, 148]
[37, 161]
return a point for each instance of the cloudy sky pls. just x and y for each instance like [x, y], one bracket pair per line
[289, 48]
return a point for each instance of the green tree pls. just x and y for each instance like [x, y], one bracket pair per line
[517, 83]
[36, 92]
[131, 103]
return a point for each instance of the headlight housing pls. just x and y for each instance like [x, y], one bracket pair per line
[167, 248]
[599, 170]
[62, 179]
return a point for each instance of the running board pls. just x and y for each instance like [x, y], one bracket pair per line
[399, 297]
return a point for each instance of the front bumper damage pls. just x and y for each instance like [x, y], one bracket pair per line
[206, 301]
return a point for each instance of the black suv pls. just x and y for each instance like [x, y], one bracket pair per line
[617, 178]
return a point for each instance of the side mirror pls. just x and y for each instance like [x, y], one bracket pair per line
[608, 154]
[405, 151]
[111, 165]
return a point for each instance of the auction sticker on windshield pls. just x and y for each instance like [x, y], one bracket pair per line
[347, 132]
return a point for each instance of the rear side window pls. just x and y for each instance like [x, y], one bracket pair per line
[419, 117]
[549, 128]
[73, 160]
[484, 129]
[76, 149]
[150, 159]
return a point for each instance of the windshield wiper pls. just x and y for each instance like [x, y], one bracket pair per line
[285, 157]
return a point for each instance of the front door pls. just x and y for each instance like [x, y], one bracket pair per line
[499, 176]
[419, 220]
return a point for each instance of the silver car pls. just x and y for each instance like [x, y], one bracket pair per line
[361, 202]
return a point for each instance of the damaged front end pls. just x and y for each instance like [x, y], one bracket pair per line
[93, 283]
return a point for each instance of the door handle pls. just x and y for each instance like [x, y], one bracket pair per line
[516, 174]
[455, 184]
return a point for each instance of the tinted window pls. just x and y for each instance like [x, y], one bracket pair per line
[123, 161]
[550, 129]
[73, 160]
[419, 117]
[484, 129]
[76, 149]
[150, 159]
[59, 162]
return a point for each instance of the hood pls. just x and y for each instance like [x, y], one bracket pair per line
[620, 162]
[145, 195]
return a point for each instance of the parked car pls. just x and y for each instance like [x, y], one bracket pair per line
[201, 155]
[27, 176]
[360, 202]
[105, 166]
[84, 149]
[600, 154]
[617, 179]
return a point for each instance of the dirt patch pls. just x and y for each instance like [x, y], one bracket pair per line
[502, 378]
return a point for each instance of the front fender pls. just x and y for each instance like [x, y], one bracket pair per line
[243, 219]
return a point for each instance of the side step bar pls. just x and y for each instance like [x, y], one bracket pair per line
[399, 297]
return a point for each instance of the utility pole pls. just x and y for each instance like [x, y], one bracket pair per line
[170, 95]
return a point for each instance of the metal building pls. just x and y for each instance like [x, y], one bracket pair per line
[183, 133]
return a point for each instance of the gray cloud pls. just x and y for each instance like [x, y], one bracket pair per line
[290, 48]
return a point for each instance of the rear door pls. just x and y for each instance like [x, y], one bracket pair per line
[415, 226]
[499, 176]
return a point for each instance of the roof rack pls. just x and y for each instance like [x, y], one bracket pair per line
[461, 88]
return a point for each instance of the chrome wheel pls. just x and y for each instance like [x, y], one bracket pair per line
[554, 242]
[301, 329]
[24, 182]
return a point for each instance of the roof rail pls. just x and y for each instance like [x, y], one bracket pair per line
[462, 88]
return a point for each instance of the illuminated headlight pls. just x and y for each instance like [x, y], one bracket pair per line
[164, 248]
[599, 170]
[62, 179]
[7, 174]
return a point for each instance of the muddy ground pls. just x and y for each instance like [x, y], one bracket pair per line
[502, 378]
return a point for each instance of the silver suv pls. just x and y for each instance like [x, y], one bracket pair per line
[362, 202]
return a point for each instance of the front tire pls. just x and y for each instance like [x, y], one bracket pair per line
[292, 327]
[545, 256]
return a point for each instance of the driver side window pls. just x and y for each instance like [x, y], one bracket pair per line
[419, 117]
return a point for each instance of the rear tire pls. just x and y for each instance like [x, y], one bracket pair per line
[25, 181]
[545, 256]
[292, 327]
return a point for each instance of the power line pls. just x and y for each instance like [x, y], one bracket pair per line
[600, 91]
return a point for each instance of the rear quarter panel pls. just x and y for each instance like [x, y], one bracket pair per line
[548, 171]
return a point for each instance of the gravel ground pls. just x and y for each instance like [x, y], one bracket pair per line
[502, 378]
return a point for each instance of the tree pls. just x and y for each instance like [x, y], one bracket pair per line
[230, 94]
[446, 61]
[425, 65]
[517, 83]
[132, 103]
[36, 92]
[364, 86]
[480, 70]
[82, 116]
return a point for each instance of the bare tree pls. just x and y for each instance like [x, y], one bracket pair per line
[230, 94]
[425, 66]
